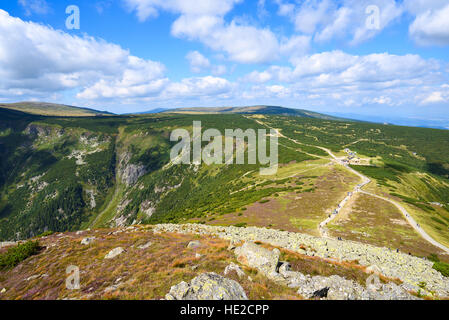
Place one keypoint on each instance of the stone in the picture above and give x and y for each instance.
(194, 244)
(32, 277)
(321, 293)
(145, 246)
(114, 253)
(258, 257)
(3, 291)
(236, 268)
(409, 269)
(87, 241)
(207, 286)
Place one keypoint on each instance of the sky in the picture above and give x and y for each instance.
(386, 58)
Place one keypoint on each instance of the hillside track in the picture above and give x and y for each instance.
(324, 232)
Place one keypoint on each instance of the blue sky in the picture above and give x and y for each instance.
(378, 57)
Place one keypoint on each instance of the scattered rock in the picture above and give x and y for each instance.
(321, 293)
(207, 286)
(194, 244)
(87, 241)
(236, 268)
(3, 291)
(198, 256)
(258, 257)
(411, 270)
(32, 277)
(145, 246)
(114, 253)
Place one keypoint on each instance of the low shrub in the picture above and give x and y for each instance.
(442, 267)
(17, 254)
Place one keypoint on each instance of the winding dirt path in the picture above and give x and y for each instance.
(324, 232)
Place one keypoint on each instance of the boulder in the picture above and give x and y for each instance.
(114, 253)
(236, 268)
(207, 286)
(262, 259)
(87, 241)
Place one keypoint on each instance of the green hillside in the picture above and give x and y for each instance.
(69, 173)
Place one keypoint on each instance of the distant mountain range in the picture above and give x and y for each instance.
(60, 110)
(53, 109)
(268, 110)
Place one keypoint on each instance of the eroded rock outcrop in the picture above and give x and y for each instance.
(129, 173)
(207, 286)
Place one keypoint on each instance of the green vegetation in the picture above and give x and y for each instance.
(15, 255)
(441, 267)
(65, 173)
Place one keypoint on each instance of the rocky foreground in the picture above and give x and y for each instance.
(416, 273)
(196, 262)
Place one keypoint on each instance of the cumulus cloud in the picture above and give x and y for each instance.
(37, 62)
(197, 61)
(198, 87)
(431, 27)
(204, 21)
(340, 79)
(326, 20)
(36, 59)
(339, 68)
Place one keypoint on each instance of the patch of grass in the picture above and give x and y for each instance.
(45, 234)
(241, 225)
(16, 255)
(442, 267)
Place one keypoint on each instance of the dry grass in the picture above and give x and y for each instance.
(380, 223)
(136, 273)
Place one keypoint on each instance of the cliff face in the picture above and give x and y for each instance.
(129, 173)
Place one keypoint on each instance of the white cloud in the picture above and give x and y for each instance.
(36, 59)
(327, 20)
(295, 47)
(197, 61)
(431, 27)
(343, 80)
(35, 6)
(339, 68)
(204, 21)
(140, 78)
(198, 87)
(434, 97)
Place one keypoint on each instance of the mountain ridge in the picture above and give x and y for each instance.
(53, 109)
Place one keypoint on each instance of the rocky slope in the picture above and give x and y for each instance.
(190, 262)
(416, 273)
